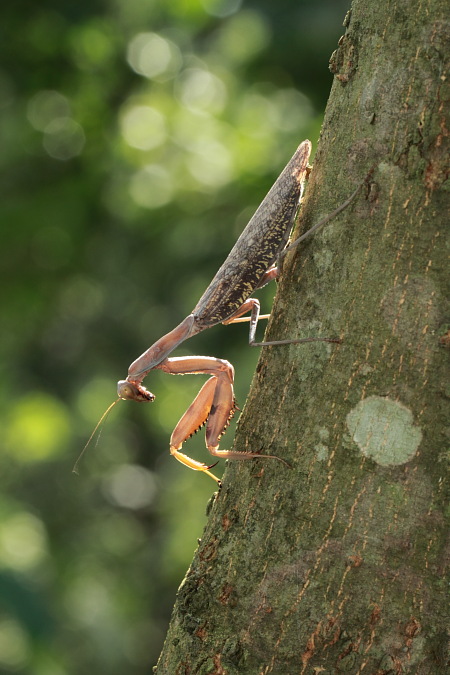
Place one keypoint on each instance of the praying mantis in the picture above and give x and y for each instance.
(251, 264)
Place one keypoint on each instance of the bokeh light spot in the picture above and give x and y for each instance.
(90, 599)
(92, 45)
(46, 106)
(14, 647)
(153, 56)
(257, 115)
(23, 541)
(243, 36)
(211, 164)
(151, 187)
(143, 127)
(221, 8)
(37, 429)
(63, 138)
(131, 486)
(198, 89)
(292, 109)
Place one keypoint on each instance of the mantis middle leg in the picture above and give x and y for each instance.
(252, 305)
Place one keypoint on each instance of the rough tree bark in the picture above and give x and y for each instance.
(338, 565)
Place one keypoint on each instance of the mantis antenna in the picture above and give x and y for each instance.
(102, 418)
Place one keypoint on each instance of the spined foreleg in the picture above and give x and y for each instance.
(213, 405)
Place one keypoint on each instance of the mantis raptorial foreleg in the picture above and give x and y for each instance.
(213, 406)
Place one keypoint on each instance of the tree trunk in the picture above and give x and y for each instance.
(337, 565)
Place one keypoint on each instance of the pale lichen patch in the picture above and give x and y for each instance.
(322, 452)
(384, 430)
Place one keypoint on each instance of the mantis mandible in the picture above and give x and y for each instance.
(251, 264)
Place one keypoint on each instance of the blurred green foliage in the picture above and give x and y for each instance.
(137, 139)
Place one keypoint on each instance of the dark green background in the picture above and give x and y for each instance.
(121, 194)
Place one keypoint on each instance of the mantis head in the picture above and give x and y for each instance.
(133, 392)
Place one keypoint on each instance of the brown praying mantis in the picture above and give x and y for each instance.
(251, 264)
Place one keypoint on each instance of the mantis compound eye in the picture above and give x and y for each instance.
(133, 392)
